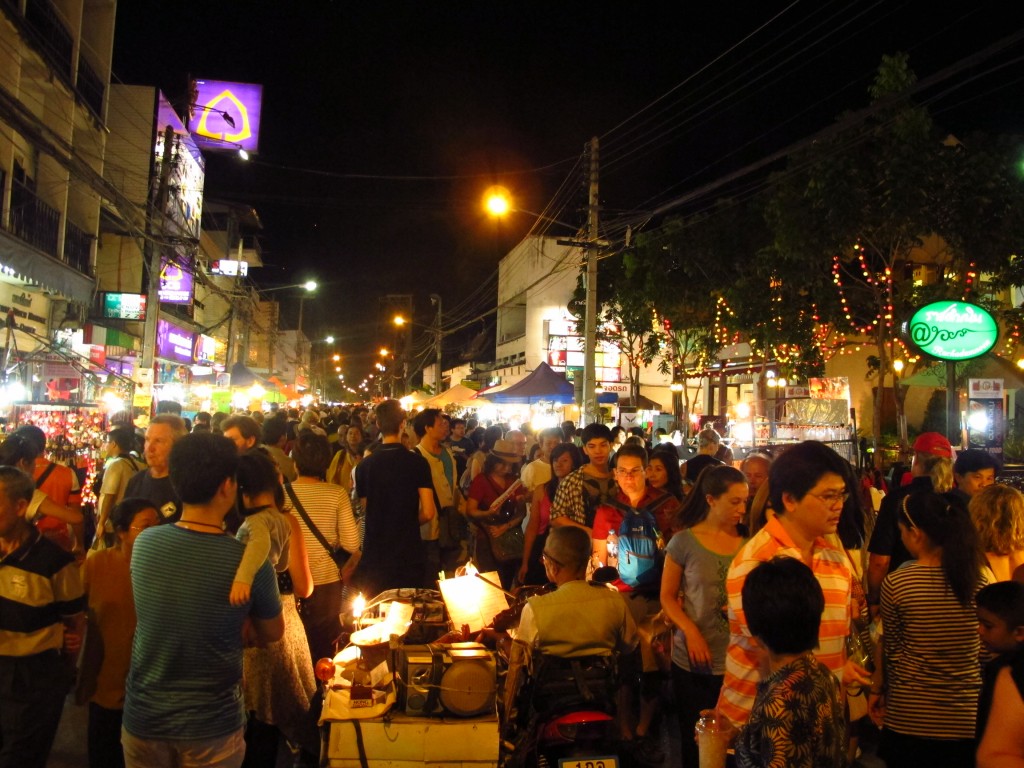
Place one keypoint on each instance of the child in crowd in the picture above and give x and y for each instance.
(797, 718)
(264, 532)
(1000, 609)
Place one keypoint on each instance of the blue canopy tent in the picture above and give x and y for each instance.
(543, 385)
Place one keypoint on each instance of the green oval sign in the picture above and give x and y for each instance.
(953, 330)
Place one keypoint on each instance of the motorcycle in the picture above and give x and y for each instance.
(563, 713)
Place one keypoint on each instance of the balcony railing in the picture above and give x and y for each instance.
(90, 87)
(78, 248)
(32, 220)
(51, 34)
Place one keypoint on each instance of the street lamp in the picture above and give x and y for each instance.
(498, 200)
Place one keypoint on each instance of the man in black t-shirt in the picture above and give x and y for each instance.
(397, 493)
(154, 483)
(886, 551)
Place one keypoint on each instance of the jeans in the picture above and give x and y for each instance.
(221, 752)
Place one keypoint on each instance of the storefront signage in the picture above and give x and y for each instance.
(209, 351)
(175, 283)
(952, 330)
(229, 267)
(187, 174)
(124, 306)
(985, 414)
(226, 115)
(173, 343)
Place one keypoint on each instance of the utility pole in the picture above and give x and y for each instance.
(589, 412)
(158, 210)
(437, 344)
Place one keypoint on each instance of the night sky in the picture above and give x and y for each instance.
(384, 122)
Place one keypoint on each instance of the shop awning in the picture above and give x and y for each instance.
(49, 272)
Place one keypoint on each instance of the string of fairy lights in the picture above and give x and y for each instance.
(832, 341)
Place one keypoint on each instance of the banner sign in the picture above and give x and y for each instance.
(124, 306)
(173, 343)
(175, 283)
(226, 116)
(952, 330)
(209, 351)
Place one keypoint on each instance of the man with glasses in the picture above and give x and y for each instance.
(645, 509)
(807, 494)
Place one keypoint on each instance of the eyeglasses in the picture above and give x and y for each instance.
(832, 498)
(630, 472)
(549, 559)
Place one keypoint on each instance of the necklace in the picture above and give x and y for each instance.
(206, 525)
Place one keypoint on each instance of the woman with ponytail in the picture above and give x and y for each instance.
(693, 594)
(924, 691)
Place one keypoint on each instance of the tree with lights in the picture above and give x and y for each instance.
(900, 216)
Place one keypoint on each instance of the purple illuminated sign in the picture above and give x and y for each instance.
(173, 343)
(175, 283)
(226, 115)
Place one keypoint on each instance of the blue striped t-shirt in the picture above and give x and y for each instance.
(186, 670)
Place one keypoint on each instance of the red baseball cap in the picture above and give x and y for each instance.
(933, 444)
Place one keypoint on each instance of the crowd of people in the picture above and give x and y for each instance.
(803, 600)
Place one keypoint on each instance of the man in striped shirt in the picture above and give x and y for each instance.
(807, 493)
(41, 618)
(183, 703)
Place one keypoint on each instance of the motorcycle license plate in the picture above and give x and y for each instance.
(607, 761)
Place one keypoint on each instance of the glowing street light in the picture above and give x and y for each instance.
(497, 201)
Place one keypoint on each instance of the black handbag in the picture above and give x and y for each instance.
(339, 555)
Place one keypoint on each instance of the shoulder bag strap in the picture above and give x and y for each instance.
(305, 517)
(46, 473)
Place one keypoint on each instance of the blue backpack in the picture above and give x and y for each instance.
(641, 549)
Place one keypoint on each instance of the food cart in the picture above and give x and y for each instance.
(406, 691)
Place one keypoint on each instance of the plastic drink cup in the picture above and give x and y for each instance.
(712, 742)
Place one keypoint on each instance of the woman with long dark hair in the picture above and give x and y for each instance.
(925, 690)
(693, 594)
(564, 458)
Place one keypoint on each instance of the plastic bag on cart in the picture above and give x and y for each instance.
(377, 697)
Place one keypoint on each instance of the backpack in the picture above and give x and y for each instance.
(641, 549)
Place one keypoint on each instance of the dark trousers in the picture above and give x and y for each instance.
(693, 693)
(899, 750)
(104, 737)
(32, 692)
(319, 614)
